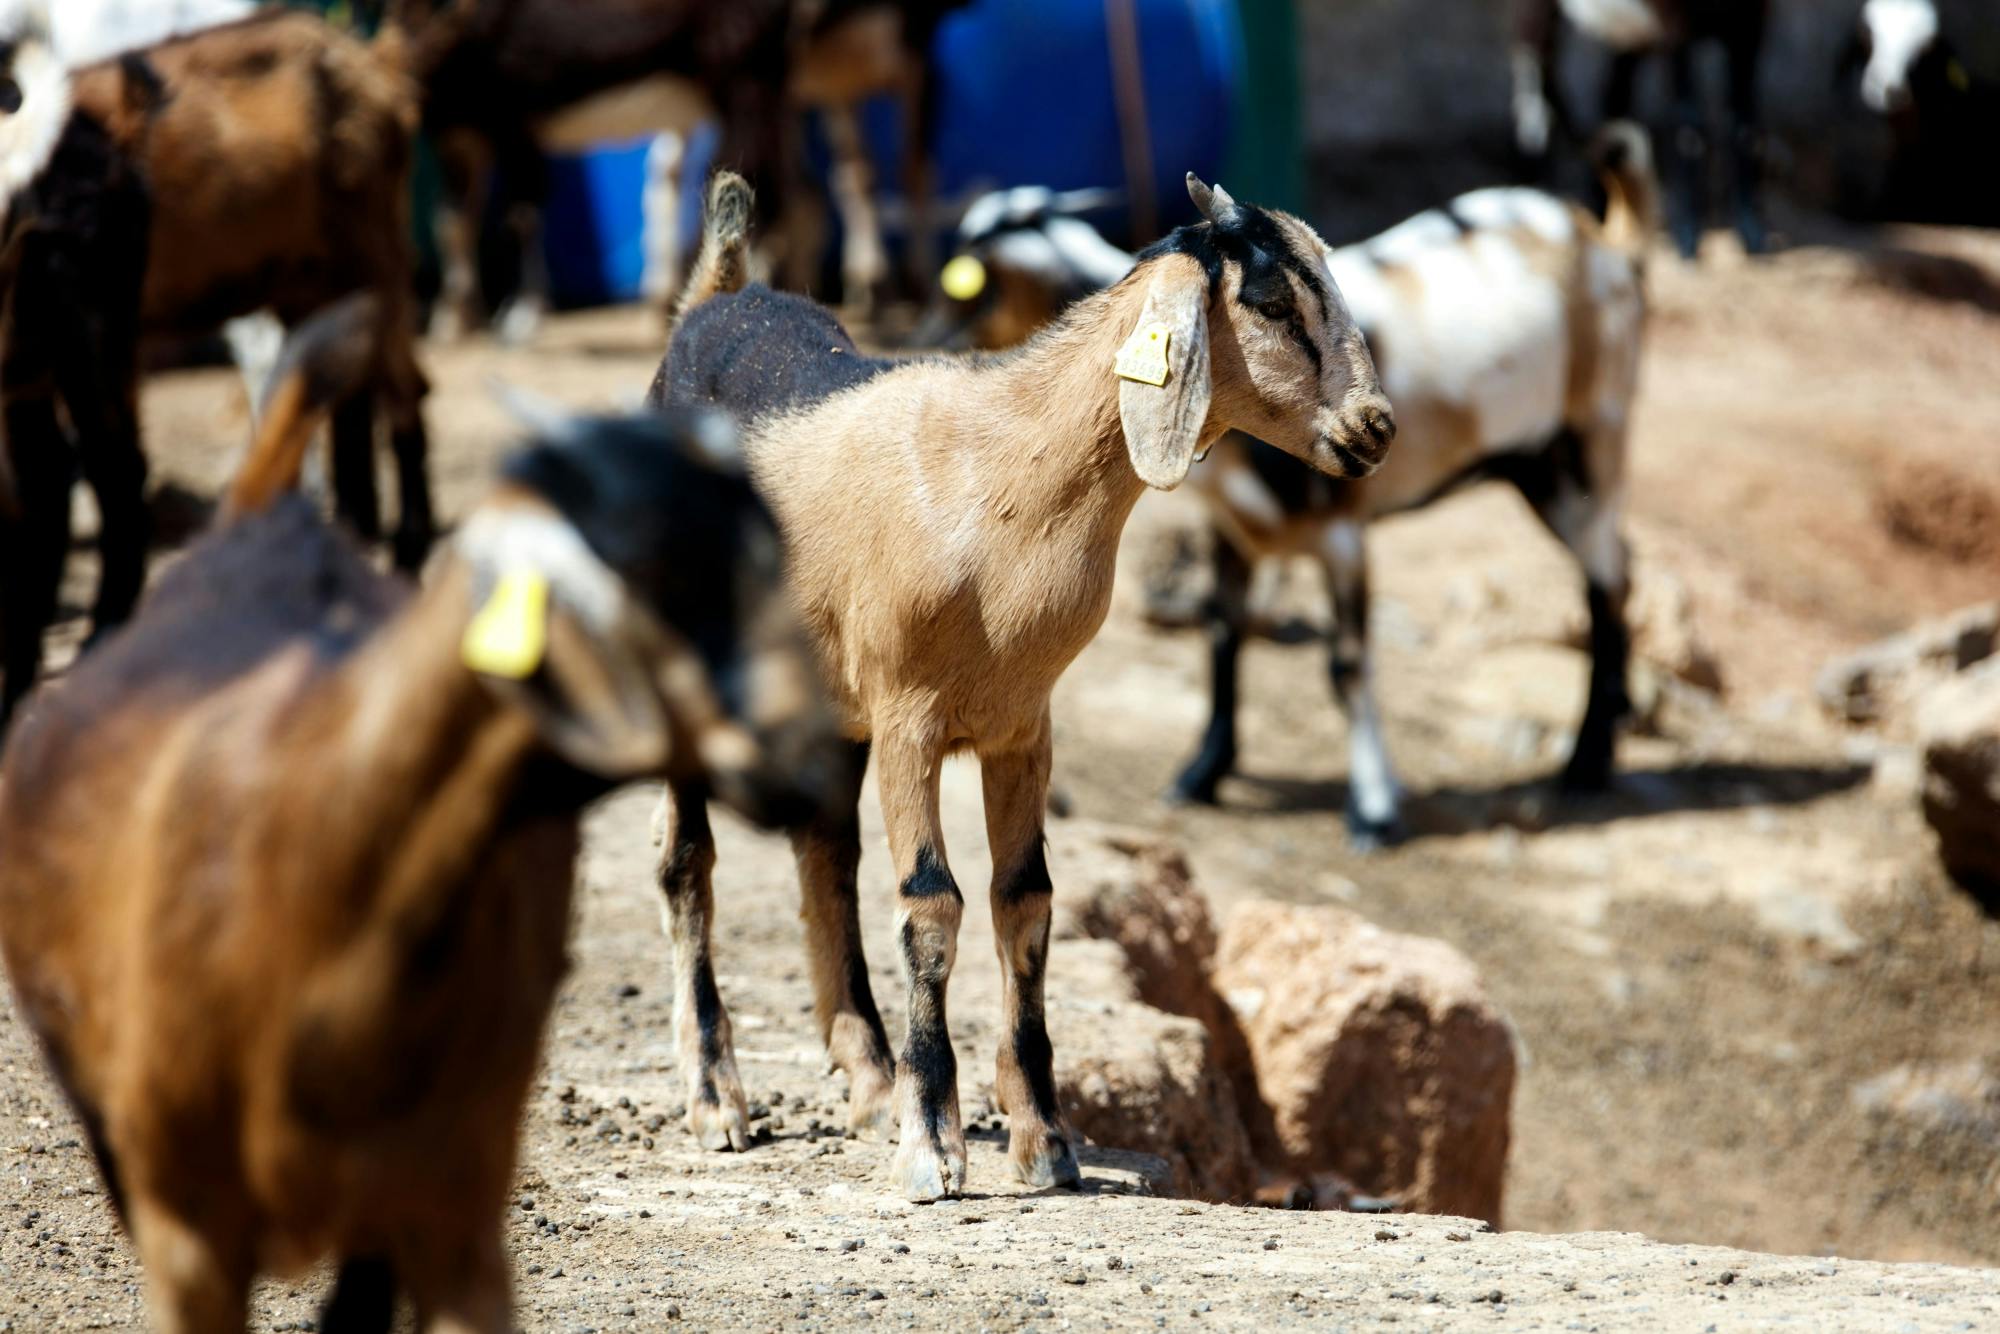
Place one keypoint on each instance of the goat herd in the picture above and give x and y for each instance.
(287, 859)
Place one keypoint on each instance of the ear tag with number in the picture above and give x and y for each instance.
(1144, 356)
(509, 635)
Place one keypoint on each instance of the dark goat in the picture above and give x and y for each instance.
(259, 164)
(289, 859)
(1941, 111)
(1633, 30)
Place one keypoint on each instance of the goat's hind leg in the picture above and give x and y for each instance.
(115, 468)
(718, 1115)
(34, 541)
(1016, 784)
(829, 857)
(1228, 615)
(363, 1300)
(930, 1160)
(1585, 513)
(1374, 797)
(194, 1285)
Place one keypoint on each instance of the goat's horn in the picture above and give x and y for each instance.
(1213, 202)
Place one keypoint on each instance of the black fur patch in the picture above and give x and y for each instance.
(1031, 876)
(758, 352)
(1250, 237)
(929, 878)
(695, 544)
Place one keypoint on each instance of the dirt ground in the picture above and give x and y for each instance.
(1703, 967)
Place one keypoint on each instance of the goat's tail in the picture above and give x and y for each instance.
(1623, 156)
(722, 265)
(331, 357)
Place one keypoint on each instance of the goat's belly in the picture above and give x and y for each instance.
(650, 106)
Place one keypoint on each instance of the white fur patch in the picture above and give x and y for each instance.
(1488, 333)
(509, 537)
(1088, 255)
(1626, 25)
(87, 31)
(1899, 31)
(28, 138)
(1511, 206)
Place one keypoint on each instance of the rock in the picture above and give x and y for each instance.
(1881, 683)
(1379, 1055)
(1958, 731)
(1961, 1100)
(1666, 632)
(1133, 1077)
(1160, 922)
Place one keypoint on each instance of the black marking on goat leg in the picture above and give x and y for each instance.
(1226, 614)
(929, 878)
(927, 1053)
(1033, 1052)
(707, 1012)
(363, 1300)
(1031, 876)
(1590, 765)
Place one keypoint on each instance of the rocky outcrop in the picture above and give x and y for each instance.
(1880, 685)
(1958, 730)
(1135, 1077)
(1379, 1055)
(1309, 1058)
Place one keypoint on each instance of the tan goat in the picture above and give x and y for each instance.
(952, 529)
(289, 859)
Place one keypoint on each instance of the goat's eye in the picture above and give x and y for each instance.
(1277, 308)
(10, 97)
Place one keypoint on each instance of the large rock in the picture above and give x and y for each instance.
(1881, 684)
(1667, 632)
(1134, 1077)
(1379, 1055)
(1958, 730)
(1147, 905)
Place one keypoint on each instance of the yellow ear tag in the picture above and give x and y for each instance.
(1144, 356)
(510, 633)
(963, 278)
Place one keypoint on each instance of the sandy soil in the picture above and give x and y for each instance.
(1703, 967)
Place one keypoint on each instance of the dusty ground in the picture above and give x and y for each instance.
(1702, 967)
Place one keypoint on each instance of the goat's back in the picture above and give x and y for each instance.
(239, 597)
(758, 353)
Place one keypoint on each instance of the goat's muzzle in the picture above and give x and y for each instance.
(1355, 438)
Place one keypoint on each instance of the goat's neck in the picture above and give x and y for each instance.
(1061, 413)
(427, 757)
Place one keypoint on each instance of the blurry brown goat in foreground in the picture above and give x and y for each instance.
(259, 164)
(289, 859)
(953, 529)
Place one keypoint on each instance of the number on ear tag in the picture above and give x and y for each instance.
(1144, 356)
(509, 635)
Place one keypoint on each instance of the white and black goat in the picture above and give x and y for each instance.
(1941, 111)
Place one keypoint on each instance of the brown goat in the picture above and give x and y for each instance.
(278, 151)
(953, 529)
(289, 859)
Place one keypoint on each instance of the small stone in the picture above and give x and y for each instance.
(900, 1249)
(1075, 1277)
(877, 1295)
(1114, 1262)
(1385, 1234)
(673, 1311)
(1493, 1295)
(628, 991)
(851, 1245)
(1271, 1243)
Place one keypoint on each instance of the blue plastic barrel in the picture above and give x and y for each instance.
(1026, 97)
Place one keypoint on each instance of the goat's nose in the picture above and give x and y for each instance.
(1368, 428)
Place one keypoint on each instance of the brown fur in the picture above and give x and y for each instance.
(288, 886)
(953, 529)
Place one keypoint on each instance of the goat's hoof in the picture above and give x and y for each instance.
(1374, 835)
(720, 1127)
(929, 1166)
(1043, 1159)
(871, 1106)
(518, 323)
(1194, 790)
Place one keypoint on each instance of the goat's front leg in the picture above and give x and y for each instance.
(1016, 787)
(460, 1282)
(193, 1285)
(829, 856)
(717, 1113)
(930, 1160)
(1374, 798)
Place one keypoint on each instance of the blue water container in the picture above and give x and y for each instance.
(1026, 96)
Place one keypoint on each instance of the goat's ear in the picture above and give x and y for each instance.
(554, 632)
(1163, 376)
